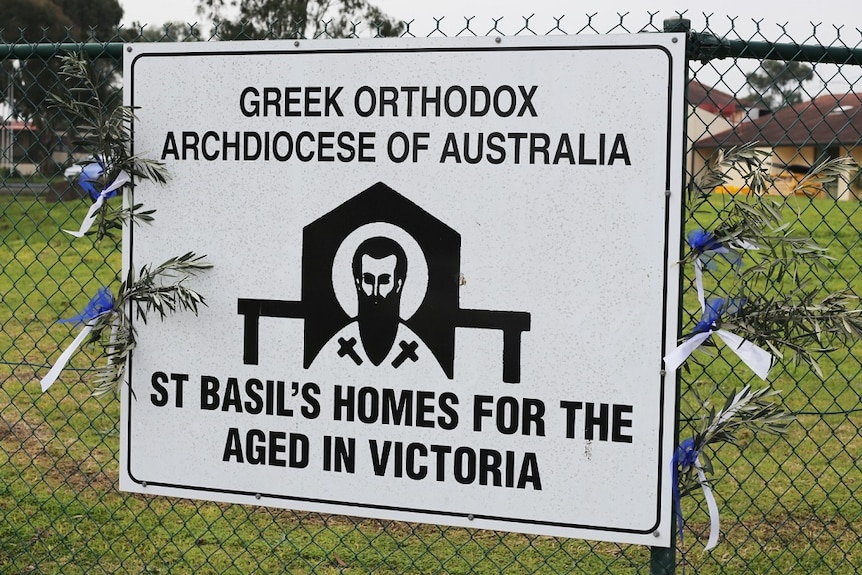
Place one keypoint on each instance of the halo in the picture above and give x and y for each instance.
(415, 284)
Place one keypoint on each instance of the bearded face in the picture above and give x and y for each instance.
(379, 293)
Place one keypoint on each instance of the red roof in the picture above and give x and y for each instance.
(713, 100)
(827, 120)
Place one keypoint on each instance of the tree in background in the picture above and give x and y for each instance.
(59, 20)
(776, 84)
(32, 20)
(259, 19)
(35, 21)
(25, 84)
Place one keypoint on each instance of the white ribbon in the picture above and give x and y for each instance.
(123, 178)
(714, 526)
(698, 266)
(758, 359)
(114, 328)
(698, 283)
(49, 379)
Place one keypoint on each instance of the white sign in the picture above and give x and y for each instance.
(444, 279)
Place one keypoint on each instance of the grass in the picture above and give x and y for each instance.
(788, 505)
(37, 178)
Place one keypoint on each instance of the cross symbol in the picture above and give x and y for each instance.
(408, 350)
(346, 348)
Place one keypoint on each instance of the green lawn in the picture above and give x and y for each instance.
(788, 505)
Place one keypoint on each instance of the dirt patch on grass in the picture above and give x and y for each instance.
(33, 446)
(776, 532)
(30, 437)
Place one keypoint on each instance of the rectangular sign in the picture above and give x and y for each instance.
(444, 279)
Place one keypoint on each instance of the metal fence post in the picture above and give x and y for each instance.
(662, 560)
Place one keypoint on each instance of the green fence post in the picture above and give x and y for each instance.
(46, 51)
(662, 560)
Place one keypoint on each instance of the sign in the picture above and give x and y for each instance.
(444, 279)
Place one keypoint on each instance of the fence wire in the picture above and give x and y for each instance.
(789, 504)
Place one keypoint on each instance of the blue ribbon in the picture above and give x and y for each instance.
(702, 240)
(100, 304)
(684, 456)
(759, 360)
(716, 307)
(705, 245)
(90, 177)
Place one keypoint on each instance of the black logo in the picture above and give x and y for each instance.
(380, 283)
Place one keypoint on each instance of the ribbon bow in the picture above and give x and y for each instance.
(758, 359)
(703, 242)
(87, 180)
(686, 456)
(102, 303)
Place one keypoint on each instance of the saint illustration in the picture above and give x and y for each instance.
(380, 284)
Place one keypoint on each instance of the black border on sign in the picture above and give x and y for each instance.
(346, 505)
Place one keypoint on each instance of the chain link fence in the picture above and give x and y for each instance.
(789, 504)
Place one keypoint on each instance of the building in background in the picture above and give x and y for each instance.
(17, 138)
(798, 138)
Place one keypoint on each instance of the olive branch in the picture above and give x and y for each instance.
(778, 275)
(157, 290)
(746, 410)
(773, 275)
(105, 133)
